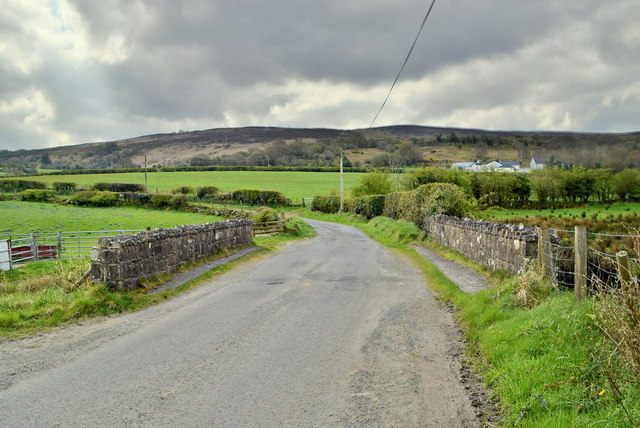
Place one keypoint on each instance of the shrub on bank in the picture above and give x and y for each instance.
(118, 187)
(37, 195)
(20, 185)
(326, 204)
(64, 188)
(93, 198)
(206, 192)
(258, 197)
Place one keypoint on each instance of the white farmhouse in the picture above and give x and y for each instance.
(538, 163)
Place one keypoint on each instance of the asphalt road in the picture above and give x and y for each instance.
(331, 331)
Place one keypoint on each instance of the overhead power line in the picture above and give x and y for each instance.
(424, 21)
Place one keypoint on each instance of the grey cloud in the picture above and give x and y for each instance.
(197, 61)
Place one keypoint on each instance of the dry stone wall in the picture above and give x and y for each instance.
(495, 245)
(122, 261)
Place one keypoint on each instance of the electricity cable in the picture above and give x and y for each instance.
(424, 21)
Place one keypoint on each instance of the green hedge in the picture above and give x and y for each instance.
(206, 192)
(326, 204)
(20, 185)
(183, 190)
(429, 199)
(136, 199)
(413, 206)
(368, 206)
(258, 197)
(166, 201)
(95, 198)
(63, 188)
(37, 195)
(118, 187)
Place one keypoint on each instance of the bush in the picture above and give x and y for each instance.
(136, 199)
(447, 199)
(266, 215)
(326, 204)
(160, 200)
(370, 206)
(37, 195)
(105, 199)
(206, 192)
(119, 187)
(95, 198)
(20, 185)
(428, 199)
(178, 201)
(373, 183)
(183, 190)
(259, 197)
(64, 188)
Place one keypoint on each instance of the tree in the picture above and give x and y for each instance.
(407, 154)
(373, 183)
(627, 183)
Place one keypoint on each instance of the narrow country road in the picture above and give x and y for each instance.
(335, 331)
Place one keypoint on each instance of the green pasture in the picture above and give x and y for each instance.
(602, 210)
(31, 217)
(294, 185)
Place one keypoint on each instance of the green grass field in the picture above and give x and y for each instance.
(294, 185)
(31, 217)
(602, 210)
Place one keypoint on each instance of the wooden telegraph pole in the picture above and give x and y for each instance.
(146, 183)
(341, 180)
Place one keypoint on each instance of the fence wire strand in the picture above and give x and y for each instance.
(602, 267)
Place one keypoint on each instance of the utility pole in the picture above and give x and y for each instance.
(146, 183)
(341, 180)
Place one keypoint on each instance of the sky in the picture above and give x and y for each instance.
(78, 71)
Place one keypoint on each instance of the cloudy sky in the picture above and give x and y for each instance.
(75, 71)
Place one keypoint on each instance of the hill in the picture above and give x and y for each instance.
(269, 146)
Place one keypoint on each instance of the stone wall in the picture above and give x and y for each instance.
(124, 260)
(495, 245)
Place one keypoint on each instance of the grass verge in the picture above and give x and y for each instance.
(549, 365)
(43, 295)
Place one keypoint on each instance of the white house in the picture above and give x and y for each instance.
(503, 166)
(538, 163)
(463, 166)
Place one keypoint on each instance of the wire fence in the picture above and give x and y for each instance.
(18, 249)
(567, 251)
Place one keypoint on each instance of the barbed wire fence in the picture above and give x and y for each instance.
(570, 258)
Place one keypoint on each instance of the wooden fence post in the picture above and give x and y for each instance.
(544, 253)
(580, 270)
(624, 275)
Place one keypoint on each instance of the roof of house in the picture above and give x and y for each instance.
(539, 160)
(463, 164)
(509, 164)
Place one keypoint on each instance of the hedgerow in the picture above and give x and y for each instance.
(20, 185)
(37, 195)
(118, 187)
(258, 197)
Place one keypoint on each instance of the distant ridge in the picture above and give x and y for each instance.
(438, 145)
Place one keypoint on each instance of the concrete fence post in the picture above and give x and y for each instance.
(580, 269)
